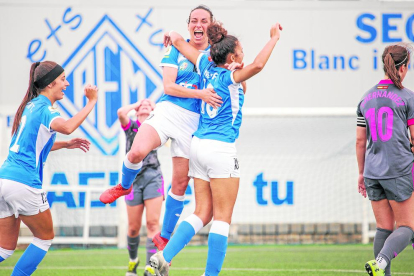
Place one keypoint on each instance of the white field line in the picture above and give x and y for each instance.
(201, 269)
(280, 250)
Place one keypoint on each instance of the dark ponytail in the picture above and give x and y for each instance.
(394, 57)
(221, 43)
(37, 71)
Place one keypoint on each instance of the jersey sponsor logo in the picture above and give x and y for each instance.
(109, 59)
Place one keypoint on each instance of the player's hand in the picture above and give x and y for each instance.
(361, 186)
(210, 97)
(234, 66)
(167, 39)
(91, 92)
(275, 31)
(137, 105)
(78, 143)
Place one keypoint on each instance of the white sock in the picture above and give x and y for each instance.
(381, 262)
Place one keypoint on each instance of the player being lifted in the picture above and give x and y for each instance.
(34, 132)
(213, 156)
(175, 117)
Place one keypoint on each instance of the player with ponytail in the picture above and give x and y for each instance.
(385, 159)
(33, 137)
(213, 157)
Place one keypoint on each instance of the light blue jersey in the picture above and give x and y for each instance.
(220, 124)
(31, 144)
(187, 76)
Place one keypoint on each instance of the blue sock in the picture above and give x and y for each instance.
(185, 232)
(128, 176)
(1, 259)
(28, 262)
(173, 210)
(217, 247)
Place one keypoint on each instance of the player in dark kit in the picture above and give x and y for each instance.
(386, 163)
(147, 191)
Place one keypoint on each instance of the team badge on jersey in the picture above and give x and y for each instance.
(108, 59)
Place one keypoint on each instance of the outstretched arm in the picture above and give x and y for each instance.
(76, 143)
(68, 126)
(260, 61)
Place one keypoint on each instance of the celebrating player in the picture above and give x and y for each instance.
(213, 157)
(175, 117)
(34, 132)
(386, 164)
(147, 191)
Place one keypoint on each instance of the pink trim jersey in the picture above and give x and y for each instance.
(386, 112)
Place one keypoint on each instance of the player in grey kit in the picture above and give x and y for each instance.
(147, 188)
(386, 164)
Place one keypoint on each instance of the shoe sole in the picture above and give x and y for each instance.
(369, 270)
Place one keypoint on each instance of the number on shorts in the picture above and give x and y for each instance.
(379, 125)
(15, 147)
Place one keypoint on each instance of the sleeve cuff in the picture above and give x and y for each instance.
(410, 122)
(127, 126)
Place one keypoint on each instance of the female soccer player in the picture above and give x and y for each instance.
(176, 117)
(34, 131)
(213, 157)
(147, 191)
(386, 164)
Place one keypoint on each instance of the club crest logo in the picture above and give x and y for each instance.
(107, 58)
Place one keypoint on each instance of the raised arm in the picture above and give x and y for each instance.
(76, 143)
(123, 112)
(68, 126)
(260, 61)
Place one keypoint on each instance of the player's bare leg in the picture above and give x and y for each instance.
(146, 140)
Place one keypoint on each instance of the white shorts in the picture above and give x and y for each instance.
(20, 199)
(213, 159)
(176, 123)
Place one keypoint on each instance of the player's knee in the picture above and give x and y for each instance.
(136, 156)
(133, 232)
(5, 253)
(43, 244)
(205, 215)
(152, 226)
(179, 186)
(133, 229)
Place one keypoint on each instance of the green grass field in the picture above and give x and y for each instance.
(240, 260)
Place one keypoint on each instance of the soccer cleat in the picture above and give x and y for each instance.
(373, 270)
(159, 241)
(132, 268)
(158, 263)
(149, 271)
(112, 194)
